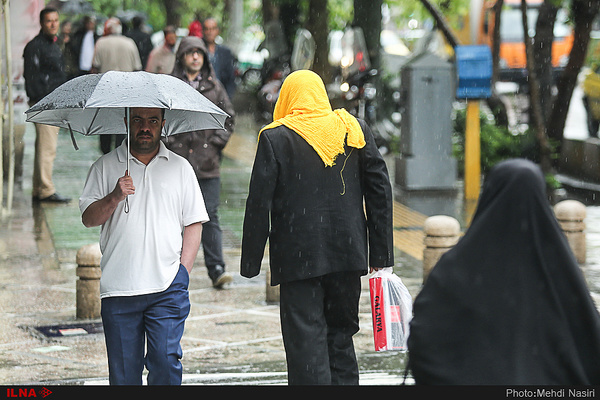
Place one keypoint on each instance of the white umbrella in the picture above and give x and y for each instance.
(96, 104)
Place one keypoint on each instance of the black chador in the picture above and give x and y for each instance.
(509, 303)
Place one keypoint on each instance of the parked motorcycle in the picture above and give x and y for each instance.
(276, 70)
(273, 73)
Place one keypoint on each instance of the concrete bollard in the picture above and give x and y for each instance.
(441, 233)
(272, 291)
(88, 284)
(571, 218)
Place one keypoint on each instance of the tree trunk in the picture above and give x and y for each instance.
(542, 53)
(583, 12)
(367, 16)
(317, 26)
(534, 97)
(496, 39)
(172, 11)
(494, 102)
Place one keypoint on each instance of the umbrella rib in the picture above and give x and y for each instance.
(92, 122)
(33, 115)
(215, 118)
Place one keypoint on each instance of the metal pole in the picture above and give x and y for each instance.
(126, 209)
(2, 211)
(11, 124)
(128, 139)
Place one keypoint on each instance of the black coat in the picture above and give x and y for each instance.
(314, 216)
(143, 43)
(77, 42)
(508, 305)
(44, 68)
(223, 63)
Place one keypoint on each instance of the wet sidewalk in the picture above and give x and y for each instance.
(232, 336)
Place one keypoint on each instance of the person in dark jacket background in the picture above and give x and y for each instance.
(142, 39)
(84, 42)
(203, 149)
(320, 193)
(221, 58)
(44, 71)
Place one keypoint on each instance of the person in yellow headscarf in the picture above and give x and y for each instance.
(303, 106)
(320, 192)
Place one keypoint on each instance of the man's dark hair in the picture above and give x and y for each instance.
(87, 19)
(169, 29)
(45, 11)
(136, 22)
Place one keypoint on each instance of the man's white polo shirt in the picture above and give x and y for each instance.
(141, 249)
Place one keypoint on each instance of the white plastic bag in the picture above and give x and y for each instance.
(391, 306)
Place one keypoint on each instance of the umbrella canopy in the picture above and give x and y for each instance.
(97, 103)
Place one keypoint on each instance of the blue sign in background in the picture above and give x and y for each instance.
(474, 72)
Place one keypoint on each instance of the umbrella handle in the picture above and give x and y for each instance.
(126, 208)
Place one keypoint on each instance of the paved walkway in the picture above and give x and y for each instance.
(232, 336)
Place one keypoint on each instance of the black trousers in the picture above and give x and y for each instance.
(319, 316)
(212, 236)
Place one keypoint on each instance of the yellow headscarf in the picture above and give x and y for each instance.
(304, 107)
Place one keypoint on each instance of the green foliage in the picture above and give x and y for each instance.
(593, 55)
(341, 13)
(552, 183)
(497, 143)
(413, 9)
(155, 10)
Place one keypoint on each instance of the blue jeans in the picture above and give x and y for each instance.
(157, 318)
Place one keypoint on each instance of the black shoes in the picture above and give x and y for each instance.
(54, 198)
(218, 276)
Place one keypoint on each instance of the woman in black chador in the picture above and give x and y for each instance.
(508, 304)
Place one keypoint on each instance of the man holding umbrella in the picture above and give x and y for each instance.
(151, 217)
(149, 204)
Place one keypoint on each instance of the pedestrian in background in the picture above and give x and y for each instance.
(66, 41)
(114, 52)
(142, 39)
(84, 43)
(220, 56)
(203, 149)
(44, 71)
(320, 193)
(508, 305)
(162, 58)
(195, 27)
(147, 253)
